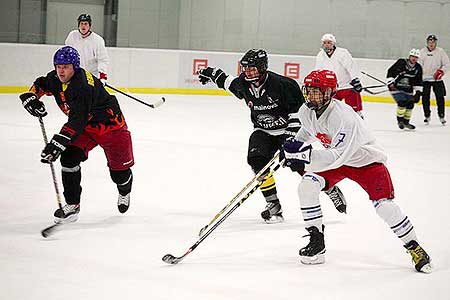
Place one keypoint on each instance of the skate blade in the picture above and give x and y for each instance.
(274, 220)
(427, 269)
(69, 219)
(313, 260)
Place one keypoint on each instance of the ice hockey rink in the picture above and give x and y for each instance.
(190, 161)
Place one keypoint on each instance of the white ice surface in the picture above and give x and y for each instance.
(190, 161)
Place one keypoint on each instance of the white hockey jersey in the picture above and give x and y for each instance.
(431, 61)
(344, 135)
(93, 55)
(341, 62)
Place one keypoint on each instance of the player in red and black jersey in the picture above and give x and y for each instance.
(94, 118)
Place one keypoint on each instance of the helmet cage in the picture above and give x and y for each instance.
(310, 99)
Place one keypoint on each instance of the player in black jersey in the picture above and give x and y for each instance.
(274, 101)
(405, 78)
(94, 118)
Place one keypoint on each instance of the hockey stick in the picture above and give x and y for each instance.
(374, 78)
(170, 259)
(153, 105)
(47, 231)
(376, 93)
(257, 176)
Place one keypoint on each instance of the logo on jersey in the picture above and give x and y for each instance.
(269, 122)
(324, 139)
(265, 107)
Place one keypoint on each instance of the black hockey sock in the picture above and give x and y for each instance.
(123, 179)
(71, 178)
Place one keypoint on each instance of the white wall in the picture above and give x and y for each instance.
(149, 68)
(369, 28)
(62, 19)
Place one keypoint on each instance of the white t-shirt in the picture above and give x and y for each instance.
(93, 55)
(431, 61)
(341, 62)
(344, 135)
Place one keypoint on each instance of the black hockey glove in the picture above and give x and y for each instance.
(33, 105)
(417, 96)
(356, 84)
(54, 148)
(295, 155)
(215, 75)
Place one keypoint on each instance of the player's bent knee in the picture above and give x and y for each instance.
(120, 177)
(257, 162)
(311, 184)
(72, 157)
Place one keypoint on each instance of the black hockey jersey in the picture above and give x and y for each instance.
(406, 76)
(272, 103)
(84, 100)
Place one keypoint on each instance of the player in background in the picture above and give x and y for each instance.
(91, 46)
(94, 118)
(404, 78)
(435, 63)
(352, 152)
(340, 61)
(273, 101)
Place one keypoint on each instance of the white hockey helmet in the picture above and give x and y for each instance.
(414, 52)
(328, 37)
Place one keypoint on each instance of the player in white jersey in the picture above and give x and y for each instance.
(352, 152)
(435, 64)
(340, 61)
(91, 47)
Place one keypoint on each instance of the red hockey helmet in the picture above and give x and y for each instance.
(324, 81)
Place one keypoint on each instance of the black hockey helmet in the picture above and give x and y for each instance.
(84, 18)
(255, 58)
(432, 37)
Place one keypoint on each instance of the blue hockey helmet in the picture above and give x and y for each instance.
(67, 55)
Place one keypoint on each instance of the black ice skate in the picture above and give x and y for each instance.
(273, 213)
(338, 199)
(443, 121)
(409, 126)
(69, 213)
(419, 257)
(123, 202)
(427, 120)
(314, 252)
(401, 122)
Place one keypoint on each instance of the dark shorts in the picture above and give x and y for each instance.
(373, 178)
(261, 148)
(116, 144)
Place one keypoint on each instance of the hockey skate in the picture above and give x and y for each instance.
(314, 252)
(338, 199)
(68, 214)
(408, 126)
(443, 121)
(419, 257)
(123, 202)
(427, 120)
(273, 213)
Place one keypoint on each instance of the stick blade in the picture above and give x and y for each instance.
(170, 259)
(159, 103)
(200, 233)
(49, 230)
